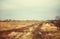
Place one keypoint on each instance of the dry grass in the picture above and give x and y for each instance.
(29, 30)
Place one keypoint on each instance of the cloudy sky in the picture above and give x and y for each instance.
(29, 9)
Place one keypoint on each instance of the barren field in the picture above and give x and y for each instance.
(30, 29)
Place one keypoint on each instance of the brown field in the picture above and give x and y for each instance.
(30, 29)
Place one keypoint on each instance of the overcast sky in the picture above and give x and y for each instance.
(29, 9)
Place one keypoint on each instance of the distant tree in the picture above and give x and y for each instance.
(57, 18)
